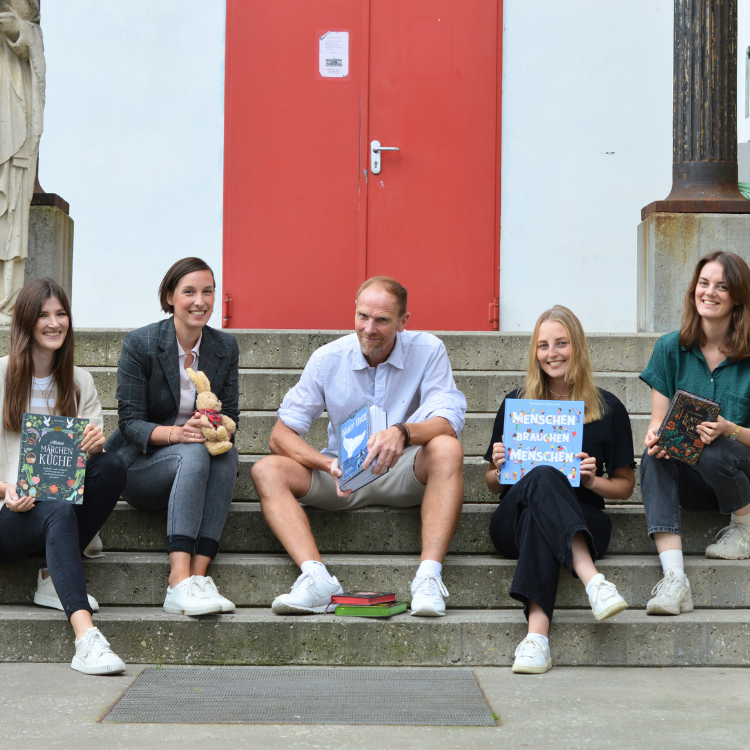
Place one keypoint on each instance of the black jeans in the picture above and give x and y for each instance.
(62, 530)
(535, 524)
(719, 481)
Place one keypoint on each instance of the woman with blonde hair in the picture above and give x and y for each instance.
(544, 522)
(710, 357)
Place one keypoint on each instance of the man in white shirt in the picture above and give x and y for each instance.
(409, 377)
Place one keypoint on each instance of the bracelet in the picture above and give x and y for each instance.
(405, 432)
(169, 437)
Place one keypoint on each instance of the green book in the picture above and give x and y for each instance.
(51, 465)
(387, 609)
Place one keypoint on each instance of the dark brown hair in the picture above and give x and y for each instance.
(174, 274)
(736, 344)
(391, 286)
(21, 364)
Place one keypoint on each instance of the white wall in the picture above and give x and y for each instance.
(581, 79)
(133, 140)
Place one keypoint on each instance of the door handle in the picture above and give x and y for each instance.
(375, 158)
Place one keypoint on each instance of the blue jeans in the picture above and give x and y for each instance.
(196, 487)
(720, 480)
(62, 530)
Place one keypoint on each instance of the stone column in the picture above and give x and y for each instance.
(696, 217)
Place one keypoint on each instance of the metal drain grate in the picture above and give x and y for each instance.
(280, 695)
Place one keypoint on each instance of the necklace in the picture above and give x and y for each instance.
(559, 395)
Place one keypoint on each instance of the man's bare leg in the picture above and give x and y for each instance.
(439, 465)
(280, 481)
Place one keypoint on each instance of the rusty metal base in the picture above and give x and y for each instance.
(714, 206)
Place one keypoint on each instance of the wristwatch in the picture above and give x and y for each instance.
(736, 433)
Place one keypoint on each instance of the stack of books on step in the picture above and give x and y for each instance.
(367, 604)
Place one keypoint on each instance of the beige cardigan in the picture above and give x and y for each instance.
(10, 442)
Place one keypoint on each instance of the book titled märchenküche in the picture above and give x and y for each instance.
(51, 465)
(542, 433)
(677, 434)
(354, 432)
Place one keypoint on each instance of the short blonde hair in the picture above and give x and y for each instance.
(391, 286)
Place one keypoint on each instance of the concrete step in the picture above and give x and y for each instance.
(472, 350)
(462, 638)
(475, 488)
(255, 429)
(474, 581)
(379, 530)
(264, 389)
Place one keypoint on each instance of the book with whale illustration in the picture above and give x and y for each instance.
(354, 432)
(51, 465)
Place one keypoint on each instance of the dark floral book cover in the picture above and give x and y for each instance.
(51, 465)
(677, 434)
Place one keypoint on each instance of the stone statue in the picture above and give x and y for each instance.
(22, 73)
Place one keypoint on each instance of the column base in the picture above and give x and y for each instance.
(669, 246)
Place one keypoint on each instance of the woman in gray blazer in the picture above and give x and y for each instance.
(159, 433)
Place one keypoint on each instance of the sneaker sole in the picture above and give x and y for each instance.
(79, 666)
(426, 613)
(295, 609)
(42, 600)
(520, 669)
(716, 556)
(660, 609)
(207, 609)
(611, 611)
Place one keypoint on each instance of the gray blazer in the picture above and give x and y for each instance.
(148, 383)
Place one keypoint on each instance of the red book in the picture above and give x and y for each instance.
(362, 597)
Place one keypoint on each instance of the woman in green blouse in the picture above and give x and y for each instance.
(710, 357)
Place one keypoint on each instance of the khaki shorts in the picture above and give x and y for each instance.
(398, 488)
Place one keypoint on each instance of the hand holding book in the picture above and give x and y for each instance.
(93, 439)
(384, 449)
(588, 469)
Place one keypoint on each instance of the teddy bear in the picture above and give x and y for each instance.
(222, 427)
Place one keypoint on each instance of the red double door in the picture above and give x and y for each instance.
(310, 86)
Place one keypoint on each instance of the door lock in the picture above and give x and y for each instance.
(375, 158)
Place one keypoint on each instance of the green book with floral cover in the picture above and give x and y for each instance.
(677, 434)
(51, 465)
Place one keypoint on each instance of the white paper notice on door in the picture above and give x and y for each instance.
(333, 54)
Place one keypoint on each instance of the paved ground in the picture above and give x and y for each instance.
(50, 706)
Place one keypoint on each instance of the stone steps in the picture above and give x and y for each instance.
(379, 530)
(461, 638)
(474, 581)
(255, 428)
(264, 389)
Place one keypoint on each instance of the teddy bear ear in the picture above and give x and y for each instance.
(194, 379)
(205, 382)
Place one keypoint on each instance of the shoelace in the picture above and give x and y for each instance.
(606, 590)
(667, 586)
(196, 588)
(207, 585)
(304, 581)
(528, 648)
(97, 645)
(728, 534)
(429, 583)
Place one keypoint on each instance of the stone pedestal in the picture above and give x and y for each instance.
(50, 246)
(669, 246)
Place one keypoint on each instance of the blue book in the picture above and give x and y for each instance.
(354, 432)
(542, 433)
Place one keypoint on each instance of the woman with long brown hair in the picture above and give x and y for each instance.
(38, 376)
(709, 357)
(542, 521)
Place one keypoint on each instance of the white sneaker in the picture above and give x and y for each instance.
(94, 656)
(46, 596)
(209, 587)
(672, 596)
(189, 598)
(604, 599)
(427, 594)
(733, 543)
(309, 594)
(532, 656)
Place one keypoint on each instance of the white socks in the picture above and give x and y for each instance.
(672, 562)
(741, 519)
(429, 568)
(543, 639)
(317, 569)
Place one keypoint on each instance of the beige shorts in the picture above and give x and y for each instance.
(398, 488)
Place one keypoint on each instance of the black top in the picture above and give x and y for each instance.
(609, 440)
